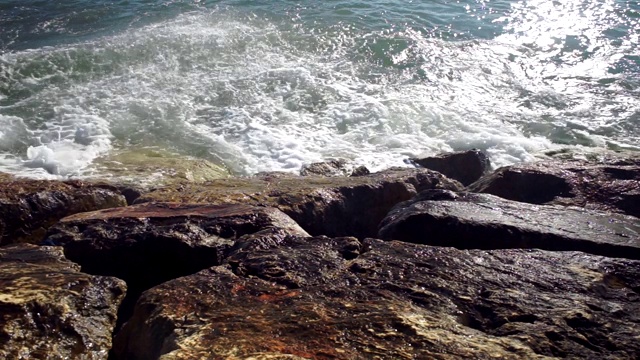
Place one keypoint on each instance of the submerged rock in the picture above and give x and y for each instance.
(611, 184)
(149, 167)
(391, 300)
(150, 243)
(464, 166)
(334, 206)
(50, 310)
(28, 207)
(483, 221)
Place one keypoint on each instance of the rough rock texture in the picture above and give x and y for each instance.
(50, 310)
(338, 167)
(611, 184)
(333, 206)
(464, 166)
(483, 221)
(28, 207)
(342, 299)
(150, 243)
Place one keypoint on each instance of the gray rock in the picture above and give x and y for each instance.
(50, 310)
(483, 221)
(339, 298)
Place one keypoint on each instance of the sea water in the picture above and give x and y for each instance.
(271, 85)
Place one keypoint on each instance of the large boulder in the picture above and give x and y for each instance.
(611, 184)
(340, 298)
(150, 243)
(464, 166)
(29, 207)
(483, 221)
(333, 206)
(50, 310)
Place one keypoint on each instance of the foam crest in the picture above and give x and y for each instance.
(256, 95)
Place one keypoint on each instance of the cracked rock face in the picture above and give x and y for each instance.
(150, 243)
(482, 221)
(29, 207)
(324, 298)
(332, 206)
(610, 184)
(50, 310)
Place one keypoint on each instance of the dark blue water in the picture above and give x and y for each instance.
(270, 85)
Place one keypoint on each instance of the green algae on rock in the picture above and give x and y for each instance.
(50, 310)
(153, 167)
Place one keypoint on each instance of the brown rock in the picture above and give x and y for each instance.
(393, 300)
(150, 243)
(334, 206)
(607, 184)
(464, 166)
(28, 207)
(50, 310)
(483, 221)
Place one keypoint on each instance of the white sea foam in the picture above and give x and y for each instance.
(249, 95)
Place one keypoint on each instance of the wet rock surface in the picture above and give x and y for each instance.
(333, 206)
(327, 298)
(150, 243)
(483, 221)
(28, 207)
(464, 166)
(610, 184)
(50, 310)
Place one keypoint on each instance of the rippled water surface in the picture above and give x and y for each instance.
(270, 85)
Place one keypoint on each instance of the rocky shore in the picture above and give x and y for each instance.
(447, 260)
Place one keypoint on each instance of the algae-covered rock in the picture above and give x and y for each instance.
(50, 310)
(28, 207)
(333, 206)
(154, 166)
(390, 300)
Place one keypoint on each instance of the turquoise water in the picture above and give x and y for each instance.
(271, 85)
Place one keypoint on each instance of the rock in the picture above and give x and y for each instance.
(360, 171)
(326, 168)
(150, 243)
(28, 207)
(610, 184)
(483, 221)
(390, 300)
(50, 310)
(149, 167)
(334, 206)
(464, 166)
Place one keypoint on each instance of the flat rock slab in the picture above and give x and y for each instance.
(339, 298)
(28, 207)
(610, 184)
(50, 310)
(483, 221)
(333, 206)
